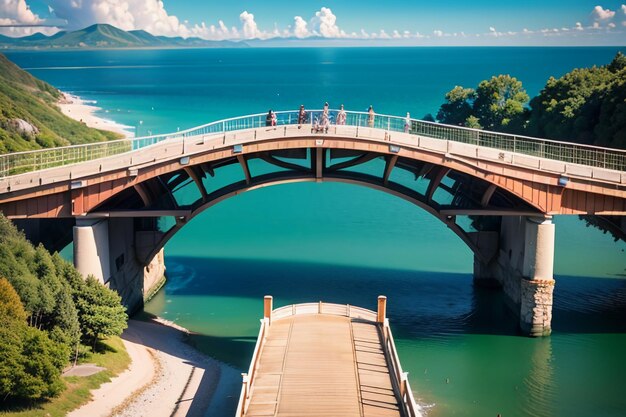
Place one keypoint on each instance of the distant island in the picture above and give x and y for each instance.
(104, 36)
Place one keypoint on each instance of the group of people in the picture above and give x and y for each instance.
(322, 123)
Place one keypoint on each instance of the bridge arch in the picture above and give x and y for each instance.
(441, 191)
(508, 186)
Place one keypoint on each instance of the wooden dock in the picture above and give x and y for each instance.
(322, 359)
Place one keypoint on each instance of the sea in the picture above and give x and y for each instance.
(345, 244)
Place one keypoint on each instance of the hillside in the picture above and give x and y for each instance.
(107, 36)
(29, 117)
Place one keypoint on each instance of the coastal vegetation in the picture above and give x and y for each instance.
(49, 317)
(586, 105)
(29, 117)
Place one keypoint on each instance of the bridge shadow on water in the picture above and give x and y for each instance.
(422, 304)
(222, 300)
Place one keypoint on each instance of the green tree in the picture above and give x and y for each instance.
(611, 127)
(458, 106)
(10, 303)
(30, 363)
(101, 312)
(473, 122)
(585, 105)
(500, 102)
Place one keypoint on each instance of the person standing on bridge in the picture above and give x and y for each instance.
(407, 123)
(274, 118)
(325, 122)
(341, 116)
(268, 118)
(301, 116)
(370, 116)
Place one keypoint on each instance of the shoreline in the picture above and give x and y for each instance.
(84, 111)
(167, 377)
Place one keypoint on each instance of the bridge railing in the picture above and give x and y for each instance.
(615, 159)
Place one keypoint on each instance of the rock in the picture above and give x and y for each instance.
(23, 127)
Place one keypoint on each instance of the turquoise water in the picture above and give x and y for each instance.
(342, 243)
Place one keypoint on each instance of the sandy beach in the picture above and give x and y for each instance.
(82, 111)
(167, 377)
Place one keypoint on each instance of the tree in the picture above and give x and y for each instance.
(585, 105)
(499, 103)
(458, 106)
(101, 312)
(30, 363)
(10, 303)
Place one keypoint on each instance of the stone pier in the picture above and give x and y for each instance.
(523, 267)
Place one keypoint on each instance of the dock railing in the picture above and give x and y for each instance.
(607, 158)
(399, 378)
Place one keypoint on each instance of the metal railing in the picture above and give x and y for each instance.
(614, 159)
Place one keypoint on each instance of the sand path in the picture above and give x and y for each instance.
(166, 378)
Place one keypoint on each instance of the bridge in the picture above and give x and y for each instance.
(321, 359)
(121, 201)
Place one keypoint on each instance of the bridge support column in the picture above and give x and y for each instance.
(523, 268)
(537, 282)
(91, 248)
(115, 253)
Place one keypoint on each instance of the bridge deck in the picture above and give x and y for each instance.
(323, 365)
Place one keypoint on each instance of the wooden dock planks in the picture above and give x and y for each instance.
(322, 365)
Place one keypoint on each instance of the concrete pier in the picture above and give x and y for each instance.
(523, 268)
(113, 252)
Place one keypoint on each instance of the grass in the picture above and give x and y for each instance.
(113, 357)
(23, 96)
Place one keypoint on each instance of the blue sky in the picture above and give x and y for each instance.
(403, 22)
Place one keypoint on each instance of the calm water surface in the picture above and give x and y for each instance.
(345, 244)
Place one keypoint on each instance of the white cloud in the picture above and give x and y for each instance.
(600, 13)
(325, 24)
(249, 26)
(579, 26)
(396, 35)
(611, 25)
(438, 33)
(300, 29)
(17, 12)
(149, 15)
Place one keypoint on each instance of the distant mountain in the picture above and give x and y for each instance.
(107, 36)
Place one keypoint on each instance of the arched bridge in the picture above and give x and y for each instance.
(495, 191)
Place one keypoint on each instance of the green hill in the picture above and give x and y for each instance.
(98, 35)
(29, 117)
(107, 36)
